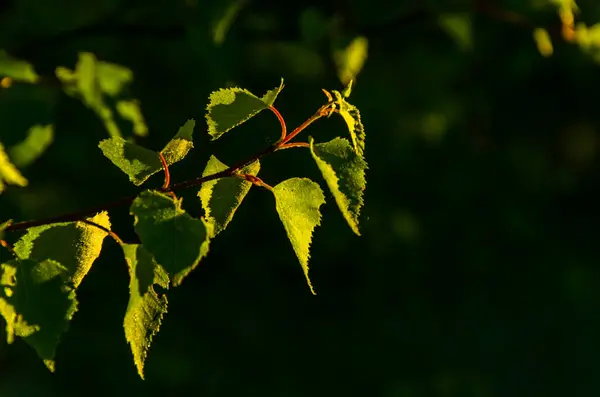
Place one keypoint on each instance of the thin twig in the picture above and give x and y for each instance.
(294, 144)
(105, 229)
(79, 215)
(6, 245)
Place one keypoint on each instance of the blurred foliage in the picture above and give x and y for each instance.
(477, 268)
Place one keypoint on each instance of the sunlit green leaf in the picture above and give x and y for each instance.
(543, 41)
(297, 201)
(39, 137)
(221, 197)
(146, 308)
(36, 304)
(130, 110)
(16, 69)
(351, 116)
(350, 59)
(344, 172)
(134, 160)
(112, 78)
(177, 241)
(9, 174)
(181, 143)
(230, 107)
(75, 245)
(91, 80)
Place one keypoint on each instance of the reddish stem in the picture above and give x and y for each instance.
(107, 230)
(281, 121)
(6, 245)
(323, 111)
(294, 144)
(166, 170)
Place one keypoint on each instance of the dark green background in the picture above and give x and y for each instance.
(478, 270)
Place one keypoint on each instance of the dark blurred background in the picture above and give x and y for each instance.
(477, 272)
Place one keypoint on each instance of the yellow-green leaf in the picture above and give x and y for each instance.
(130, 110)
(36, 304)
(134, 160)
(351, 116)
(221, 197)
(16, 69)
(351, 59)
(543, 41)
(39, 137)
(146, 308)
(297, 201)
(344, 172)
(230, 107)
(177, 241)
(181, 144)
(75, 245)
(8, 172)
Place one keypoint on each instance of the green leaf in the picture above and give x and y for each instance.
(297, 201)
(351, 116)
(130, 110)
(36, 304)
(86, 82)
(459, 27)
(39, 137)
(177, 241)
(543, 41)
(140, 163)
(16, 69)
(134, 160)
(221, 197)
(181, 143)
(112, 78)
(75, 245)
(146, 309)
(223, 24)
(230, 107)
(350, 59)
(344, 172)
(91, 80)
(8, 172)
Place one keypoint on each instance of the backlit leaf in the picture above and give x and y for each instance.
(230, 107)
(16, 69)
(351, 116)
(130, 110)
(344, 172)
(146, 308)
(36, 304)
(112, 78)
(181, 143)
(75, 245)
(221, 197)
(39, 137)
(177, 241)
(297, 201)
(134, 160)
(543, 41)
(140, 163)
(9, 174)
(350, 59)
(459, 27)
